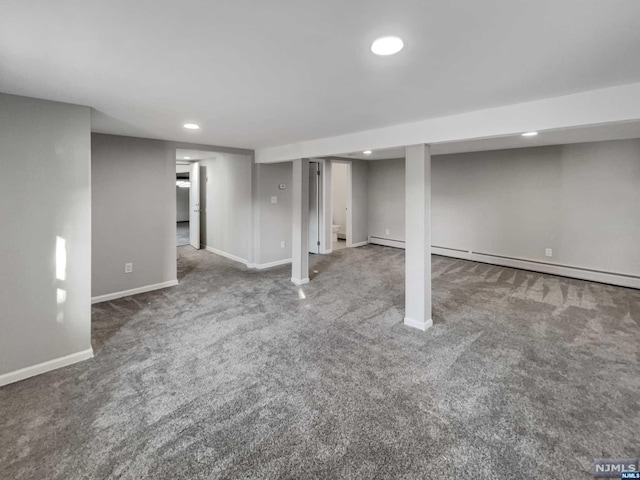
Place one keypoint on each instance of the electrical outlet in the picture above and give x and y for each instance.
(274, 199)
(386, 231)
(128, 267)
(548, 252)
(282, 244)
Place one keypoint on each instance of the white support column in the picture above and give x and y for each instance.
(300, 207)
(418, 237)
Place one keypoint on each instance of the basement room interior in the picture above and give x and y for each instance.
(403, 247)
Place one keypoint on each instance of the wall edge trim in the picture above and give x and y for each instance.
(542, 267)
(133, 291)
(49, 365)
(228, 255)
(262, 266)
(360, 244)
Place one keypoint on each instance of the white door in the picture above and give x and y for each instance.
(314, 208)
(194, 205)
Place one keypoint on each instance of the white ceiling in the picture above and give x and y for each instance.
(258, 74)
(596, 133)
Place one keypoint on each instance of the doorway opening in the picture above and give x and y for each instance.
(183, 189)
(191, 196)
(341, 215)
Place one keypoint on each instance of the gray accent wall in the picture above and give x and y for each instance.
(134, 213)
(387, 199)
(275, 222)
(228, 220)
(580, 200)
(359, 200)
(45, 195)
(134, 209)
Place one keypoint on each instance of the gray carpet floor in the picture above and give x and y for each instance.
(182, 233)
(236, 373)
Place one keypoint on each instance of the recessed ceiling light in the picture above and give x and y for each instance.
(387, 45)
(367, 152)
(530, 134)
(187, 158)
(192, 126)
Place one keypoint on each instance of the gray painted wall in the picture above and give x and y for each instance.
(274, 219)
(182, 204)
(45, 193)
(360, 200)
(134, 209)
(581, 200)
(134, 212)
(228, 225)
(387, 199)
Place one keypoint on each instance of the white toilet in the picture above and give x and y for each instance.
(335, 229)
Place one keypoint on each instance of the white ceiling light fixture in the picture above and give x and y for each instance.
(191, 126)
(187, 158)
(530, 134)
(387, 45)
(367, 152)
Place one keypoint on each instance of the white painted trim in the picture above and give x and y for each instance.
(360, 244)
(227, 255)
(262, 266)
(326, 252)
(133, 291)
(300, 282)
(420, 325)
(606, 105)
(387, 242)
(542, 267)
(44, 367)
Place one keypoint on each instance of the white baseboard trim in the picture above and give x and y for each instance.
(133, 291)
(326, 252)
(43, 367)
(228, 255)
(258, 266)
(543, 267)
(419, 324)
(300, 282)
(387, 242)
(360, 244)
(262, 266)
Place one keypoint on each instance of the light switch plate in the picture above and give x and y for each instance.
(128, 267)
(274, 199)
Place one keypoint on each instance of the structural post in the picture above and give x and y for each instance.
(300, 238)
(418, 237)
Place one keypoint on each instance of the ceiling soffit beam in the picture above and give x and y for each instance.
(594, 107)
